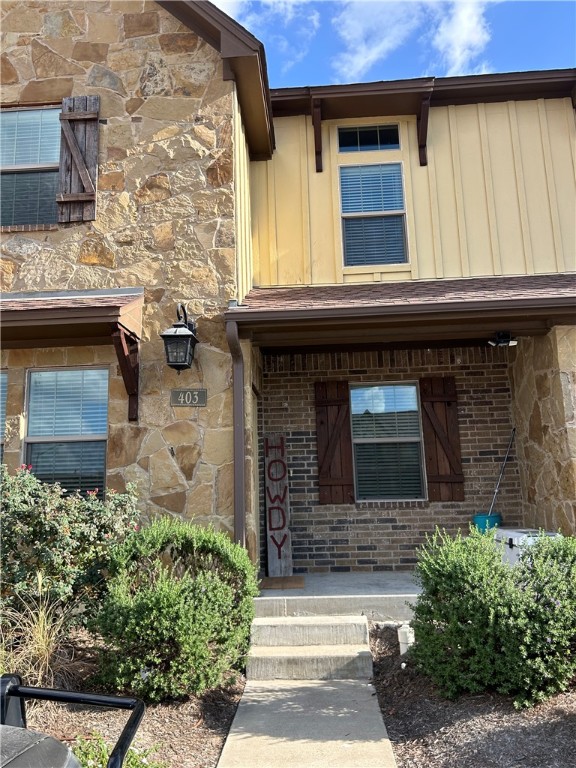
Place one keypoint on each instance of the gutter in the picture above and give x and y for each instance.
(238, 431)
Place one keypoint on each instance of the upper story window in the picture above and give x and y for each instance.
(49, 163)
(368, 138)
(29, 161)
(373, 214)
(3, 393)
(387, 442)
(67, 427)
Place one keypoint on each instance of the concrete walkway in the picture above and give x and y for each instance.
(308, 724)
(330, 723)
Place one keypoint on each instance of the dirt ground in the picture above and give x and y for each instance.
(480, 731)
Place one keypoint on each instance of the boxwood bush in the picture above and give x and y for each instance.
(480, 624)
(178, 612)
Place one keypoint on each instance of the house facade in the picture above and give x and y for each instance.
(138, 203)
(358, 260)
(414, 303)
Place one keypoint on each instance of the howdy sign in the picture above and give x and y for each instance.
(279, 540)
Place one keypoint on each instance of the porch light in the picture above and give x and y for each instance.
(503, 339)
(179, 341)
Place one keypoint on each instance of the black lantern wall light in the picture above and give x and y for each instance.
(179, 341)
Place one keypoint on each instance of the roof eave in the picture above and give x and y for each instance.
(398, 324)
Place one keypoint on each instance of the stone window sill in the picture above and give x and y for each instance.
(29, 228)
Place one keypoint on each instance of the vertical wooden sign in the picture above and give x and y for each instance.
(278, 537)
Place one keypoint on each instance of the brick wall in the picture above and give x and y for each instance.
(377, 536)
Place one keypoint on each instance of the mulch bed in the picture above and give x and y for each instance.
(475, 731)
(480, 731)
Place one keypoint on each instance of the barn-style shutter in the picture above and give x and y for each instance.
(78, 159)
(441, 439)
(334, 441)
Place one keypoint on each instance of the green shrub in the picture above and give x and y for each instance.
(94, 753)
(178, 612)
(539, 645)
(480, 624)
(67, 539)
(455, 618)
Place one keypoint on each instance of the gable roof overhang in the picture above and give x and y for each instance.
(418, 96)
(79, 318)
(425, 313)
(244, 62)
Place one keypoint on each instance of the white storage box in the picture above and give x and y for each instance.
(515, 539)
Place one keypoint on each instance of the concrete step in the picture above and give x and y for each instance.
(310, 630)
(309, 662)
(376, 607)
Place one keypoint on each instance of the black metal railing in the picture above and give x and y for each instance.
(13, 709)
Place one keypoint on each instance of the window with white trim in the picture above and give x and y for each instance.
(387, 442)
(373, 214)
(29, 163)
(68, 427)
(3, 393)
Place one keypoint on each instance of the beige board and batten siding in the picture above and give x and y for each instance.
(242, 213)
(497, 196)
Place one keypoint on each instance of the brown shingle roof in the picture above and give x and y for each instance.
(417, 311)
(414, 293)
(43, 317)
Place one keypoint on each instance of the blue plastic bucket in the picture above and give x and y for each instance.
(483, 522)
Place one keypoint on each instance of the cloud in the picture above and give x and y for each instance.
(461, 36)
(451, 36)
(233, 8)
(372, 30)
(287, 26)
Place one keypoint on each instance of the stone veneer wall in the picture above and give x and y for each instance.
(377, 536)
(165, 221)
(543, 377)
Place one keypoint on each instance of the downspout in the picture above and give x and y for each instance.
(238, 431)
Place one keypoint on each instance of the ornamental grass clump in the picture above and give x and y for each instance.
(482, 625)
(178, 612)
(34, 641)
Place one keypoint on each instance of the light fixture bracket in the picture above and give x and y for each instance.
(503, 339)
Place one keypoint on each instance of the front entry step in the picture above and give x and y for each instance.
(310, 630)
(309, 662)
(310, 648)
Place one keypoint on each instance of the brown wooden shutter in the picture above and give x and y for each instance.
(441, 439)
(78, 159)
(334, 442)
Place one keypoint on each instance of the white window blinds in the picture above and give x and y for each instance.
(29, 158)
(68, 403)
(386, 437)
(3, 393)
(373, 214)
(67, 427)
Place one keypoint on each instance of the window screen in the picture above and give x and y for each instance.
(373, 214)
(67, 427)
(386, 436)
(29, 157)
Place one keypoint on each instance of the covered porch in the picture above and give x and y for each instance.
(448, 340)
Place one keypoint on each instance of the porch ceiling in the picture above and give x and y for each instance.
(416, 313)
